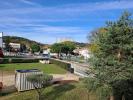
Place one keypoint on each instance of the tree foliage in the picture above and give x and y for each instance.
(68, 47)
(23, 48)
(113, 55)
(64, 47)
(35, 48)
(7, 44)
(56, 48)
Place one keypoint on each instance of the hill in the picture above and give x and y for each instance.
(21, 40)
(28, 42)
(78, 44)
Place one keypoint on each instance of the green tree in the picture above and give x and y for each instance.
(35, 48)
(7, 43)
(64, 47)
(23, 48)
(68, 47)
(44, 80)
(112, 61)
(56, 48)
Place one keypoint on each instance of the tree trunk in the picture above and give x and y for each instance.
(123, 97)
(88, 96)
(40, 96)
(111, 97)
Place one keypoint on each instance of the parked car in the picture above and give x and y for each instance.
(1, 53)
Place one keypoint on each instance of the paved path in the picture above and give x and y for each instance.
(8, 80)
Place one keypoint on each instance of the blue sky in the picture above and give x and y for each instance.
(48, 20)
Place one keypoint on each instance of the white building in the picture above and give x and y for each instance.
(15, 46)
(83, 52)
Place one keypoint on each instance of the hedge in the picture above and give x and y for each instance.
(64, 65)
(19, 60)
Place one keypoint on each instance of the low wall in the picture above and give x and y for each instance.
(79, 70)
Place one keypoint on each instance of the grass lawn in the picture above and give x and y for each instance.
(47, 68)
(73, 91)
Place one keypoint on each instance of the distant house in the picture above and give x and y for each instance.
(83, 52)
(15, 46)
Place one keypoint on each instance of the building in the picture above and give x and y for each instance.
(83, 52)
(15, 46)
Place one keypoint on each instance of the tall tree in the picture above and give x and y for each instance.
(56, 48)
(112, 61)
(63, 47)
(23, 48)
(7, 43)
(35, 48)
(68, 47)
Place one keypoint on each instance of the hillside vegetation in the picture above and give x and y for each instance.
(21, 40)
(28, 42)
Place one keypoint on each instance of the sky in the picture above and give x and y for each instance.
(47, 21)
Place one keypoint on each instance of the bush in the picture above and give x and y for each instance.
(19, 60)
(64, 65)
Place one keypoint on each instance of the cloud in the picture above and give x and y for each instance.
(66, 12)
(61, 29)
(72, 8)
(29, 2)
(49, 34)
(44, 24)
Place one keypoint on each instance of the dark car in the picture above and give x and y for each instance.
(1, 53)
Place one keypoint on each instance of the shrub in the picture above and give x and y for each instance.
(19, 60)
(64, 65)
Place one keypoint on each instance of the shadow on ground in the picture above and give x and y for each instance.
(7, 90)
(58, 91)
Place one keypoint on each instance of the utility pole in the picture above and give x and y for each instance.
(1, 36)
(2, 50)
